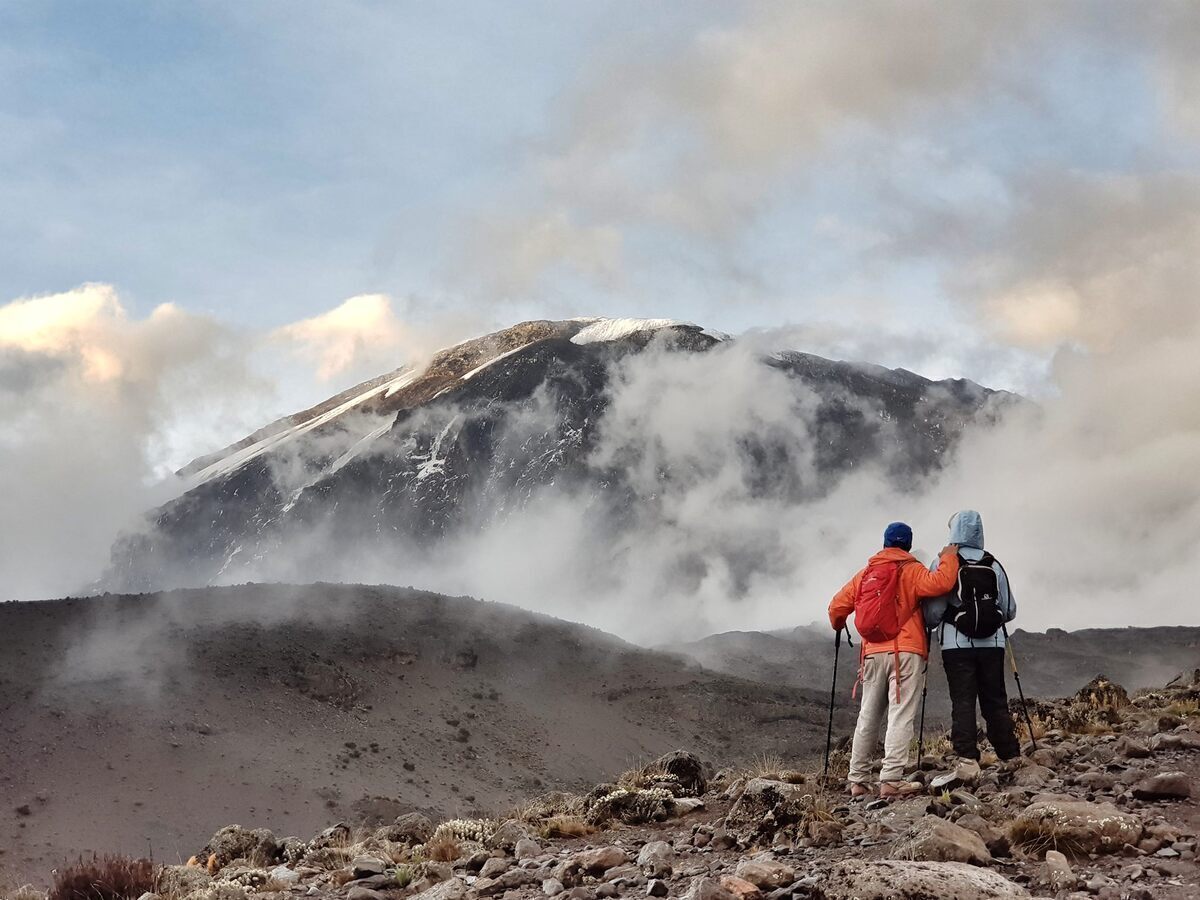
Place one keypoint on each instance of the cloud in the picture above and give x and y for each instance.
(362, 331)
(99, 407)
(693, 138)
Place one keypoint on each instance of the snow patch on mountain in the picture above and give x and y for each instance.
(236, 460)
(495, 359)
(601, 330)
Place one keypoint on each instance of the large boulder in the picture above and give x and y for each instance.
(1164, 786)
(687, 770)
(656, 859)
(507, 836)
(765, 872)
(411, 829)
(856, 879)
(764, 807)
(233, 842)
(705, 888)
(1101, 693)
(601, 859)
(1075, 827)
(936, 840)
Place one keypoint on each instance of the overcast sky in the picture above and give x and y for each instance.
(737, 164)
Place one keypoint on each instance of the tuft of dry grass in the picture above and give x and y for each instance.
(274, 886)
(1183, 708)
(442, 849)
(1035, 838)
(765, 765)
(566, 827)
(24, 892)
(1039, 728)
(109, 877)
(342, 876)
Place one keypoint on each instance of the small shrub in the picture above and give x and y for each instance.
(403, 876)
(104, 878)
(442, 849)
(24, 892)
(476, 830)
(342, 876)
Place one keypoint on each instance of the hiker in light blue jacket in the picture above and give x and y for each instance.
(969, 624)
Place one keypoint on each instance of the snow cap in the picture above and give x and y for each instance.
(898, 535)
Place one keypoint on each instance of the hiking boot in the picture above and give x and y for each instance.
(890, 790)
(858, 790)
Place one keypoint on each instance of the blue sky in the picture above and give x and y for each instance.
(262, 162)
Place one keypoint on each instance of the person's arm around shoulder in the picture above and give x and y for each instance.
(940, 580)
(842, 603)
(1008, 604)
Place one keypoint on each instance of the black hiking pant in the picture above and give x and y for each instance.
(976, 675)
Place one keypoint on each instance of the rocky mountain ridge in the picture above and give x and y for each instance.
(416, 456)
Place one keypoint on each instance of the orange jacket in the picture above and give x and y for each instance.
(916, 582)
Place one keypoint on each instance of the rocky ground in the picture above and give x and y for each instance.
(294, 706)
(1104, 806)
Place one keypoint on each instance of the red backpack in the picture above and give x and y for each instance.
(877, 614)
(877, 606)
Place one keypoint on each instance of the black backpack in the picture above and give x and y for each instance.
(978, 613)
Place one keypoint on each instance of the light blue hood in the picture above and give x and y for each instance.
(966, 529)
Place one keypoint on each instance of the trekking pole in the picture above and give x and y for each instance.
(1012, 658)
(924, 694)
(837, 647)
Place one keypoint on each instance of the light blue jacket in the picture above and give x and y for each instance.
(966, 530)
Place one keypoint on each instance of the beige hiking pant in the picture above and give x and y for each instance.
(879, 699)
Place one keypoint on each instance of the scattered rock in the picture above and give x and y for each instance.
(552, 887)
(740, 888)
(411, 829)
(936, 840)
(765, 872)
(256, 846)
(494, 866)
(687, 769)
(1076, 826)
(1130, 748)
(507, 836)
(284, 875)
(1164, 786)
(179, 881)
(527, 848)
(764, 807)
(358, 892)
(656, 888)
(705, 888)
(655, 859)
(856, 879)
(601, 859)
(1183, 740)
(1033, 776)
(1057, 873)
(452, 889)
(366, 866)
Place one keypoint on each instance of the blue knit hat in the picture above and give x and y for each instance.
(898, 535)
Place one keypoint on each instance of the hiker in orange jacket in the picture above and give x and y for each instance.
(891, 671)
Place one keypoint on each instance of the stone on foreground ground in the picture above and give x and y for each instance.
(857, 879)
